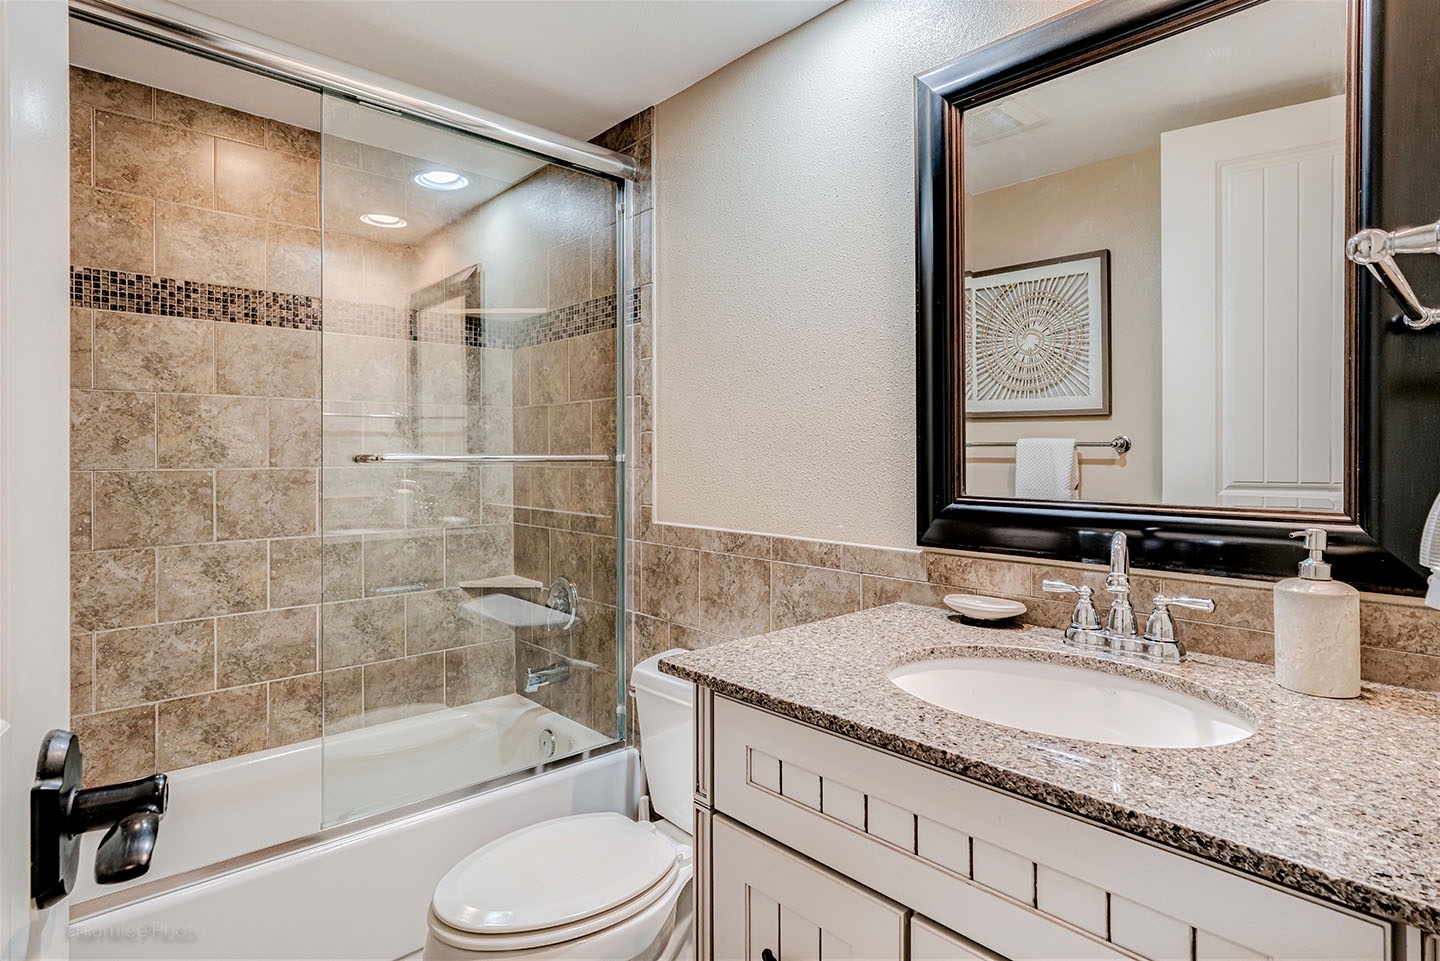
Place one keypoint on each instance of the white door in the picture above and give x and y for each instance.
(34, 441)
(1252, 224)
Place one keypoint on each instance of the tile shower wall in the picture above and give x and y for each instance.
(693, 587)
(195, 429)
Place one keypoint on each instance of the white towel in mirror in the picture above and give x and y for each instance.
(1047, 468)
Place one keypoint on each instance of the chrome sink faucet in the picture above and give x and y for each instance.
(1120, 637)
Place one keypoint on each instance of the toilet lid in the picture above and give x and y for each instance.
(553, 873)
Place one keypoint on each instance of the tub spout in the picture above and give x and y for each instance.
(549, 674)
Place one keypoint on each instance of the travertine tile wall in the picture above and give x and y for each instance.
(694, 587)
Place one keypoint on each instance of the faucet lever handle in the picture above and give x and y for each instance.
(1084, 617)
(1159, 626)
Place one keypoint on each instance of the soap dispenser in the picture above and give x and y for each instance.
(1317, 627)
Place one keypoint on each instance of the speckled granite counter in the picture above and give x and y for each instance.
(1339, 799)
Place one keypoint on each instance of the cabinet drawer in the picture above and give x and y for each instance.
(990, 865)
(767, 898)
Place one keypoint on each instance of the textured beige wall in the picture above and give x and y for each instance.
(785, 294)
(1115, 205)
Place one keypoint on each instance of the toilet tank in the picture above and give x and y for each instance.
(664, 713)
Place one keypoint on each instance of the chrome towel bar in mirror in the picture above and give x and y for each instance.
(476, 458)
(1376, 249)
(1120, 444)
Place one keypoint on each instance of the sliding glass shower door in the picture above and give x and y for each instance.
(470, 491)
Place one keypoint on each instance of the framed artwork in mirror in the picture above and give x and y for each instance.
(1037, 338)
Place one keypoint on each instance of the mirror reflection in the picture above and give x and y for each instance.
(1154, 272)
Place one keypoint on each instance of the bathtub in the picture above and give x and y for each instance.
(242, 869)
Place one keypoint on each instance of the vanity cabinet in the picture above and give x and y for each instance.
(812, 845)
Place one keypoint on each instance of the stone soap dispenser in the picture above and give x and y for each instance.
(1317, 627)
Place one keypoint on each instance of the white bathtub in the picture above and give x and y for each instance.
(344, 894)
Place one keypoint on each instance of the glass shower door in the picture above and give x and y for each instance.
(470, 488)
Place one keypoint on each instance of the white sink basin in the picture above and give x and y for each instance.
(1070, 701)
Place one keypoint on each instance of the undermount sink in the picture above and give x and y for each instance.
(1066, 700)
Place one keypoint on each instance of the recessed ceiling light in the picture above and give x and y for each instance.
(441, 180)
(383, 220)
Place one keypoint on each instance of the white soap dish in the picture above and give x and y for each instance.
(980, 608)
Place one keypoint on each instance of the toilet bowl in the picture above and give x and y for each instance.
(589, 887)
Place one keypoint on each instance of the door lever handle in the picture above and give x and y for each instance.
(61, 811)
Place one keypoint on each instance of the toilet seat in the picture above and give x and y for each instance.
(554, 882)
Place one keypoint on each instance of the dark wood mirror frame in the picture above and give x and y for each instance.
(1393, 376)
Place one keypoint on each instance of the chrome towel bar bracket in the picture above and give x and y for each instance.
(1375, 250)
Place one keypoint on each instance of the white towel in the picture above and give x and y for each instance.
(1047, 468)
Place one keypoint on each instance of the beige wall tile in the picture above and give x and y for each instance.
(670, 583)
(118, 745)
(266, 183)
(520, 363)
(1257, 646)
(206, 580)
(883, 561)
(549, 373)
(532, 552)
(361, 632)
(532, 430)
(111, 430)
(416, 683)
(211, 727)
(143, 508)
(799, 595)
(980, 574)
(209, 246)
(734, 595)
(342, 707)
(570, 557)
(112, 231)
(82, 340)
(266, 645)
(146, 352)
(82, 674)
(341, 571)
(267, 361)
(364, 368)
(1400, 627)
(296, 705)
(82, 123)
(649, 636)
(211, 118)
(296, 434)
(142, 664)
(879, 591)
(275, 502)
(209, 430)
(794, 550)
(569, 428)
(1419, 671)
(110, 93)
(403, 560)
(154, 160)
(292, 259)
(1252, 608)
(602, 261)
(290, 139)
(435, 620)
(81, 492)
(295, 572)
(592, 366)
(479, 672)
(110, 589)
(475, 552)
(569, 274)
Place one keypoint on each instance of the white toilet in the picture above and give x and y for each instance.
(590, 887)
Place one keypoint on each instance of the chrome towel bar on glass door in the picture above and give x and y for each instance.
(1120, 444)
(477, 458)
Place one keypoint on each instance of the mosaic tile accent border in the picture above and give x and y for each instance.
(92, 287)
(144, 294)
(586, 317)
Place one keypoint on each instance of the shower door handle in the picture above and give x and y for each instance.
(61, 811)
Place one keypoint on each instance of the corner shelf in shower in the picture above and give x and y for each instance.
(504, 582)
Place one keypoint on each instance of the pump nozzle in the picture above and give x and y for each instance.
(1314, 567)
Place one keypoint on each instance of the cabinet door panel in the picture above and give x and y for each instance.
(768, 897)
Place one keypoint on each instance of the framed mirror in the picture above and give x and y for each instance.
(1135, 311)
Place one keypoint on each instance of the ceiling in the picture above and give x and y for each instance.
(1119, 106)
(576, 67)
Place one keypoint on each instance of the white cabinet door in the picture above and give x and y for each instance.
(1252, 309)
(771, 904)
(931, 942)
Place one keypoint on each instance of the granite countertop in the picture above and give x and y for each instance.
(1336, 798)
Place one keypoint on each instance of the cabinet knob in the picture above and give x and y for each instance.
(767, 955)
